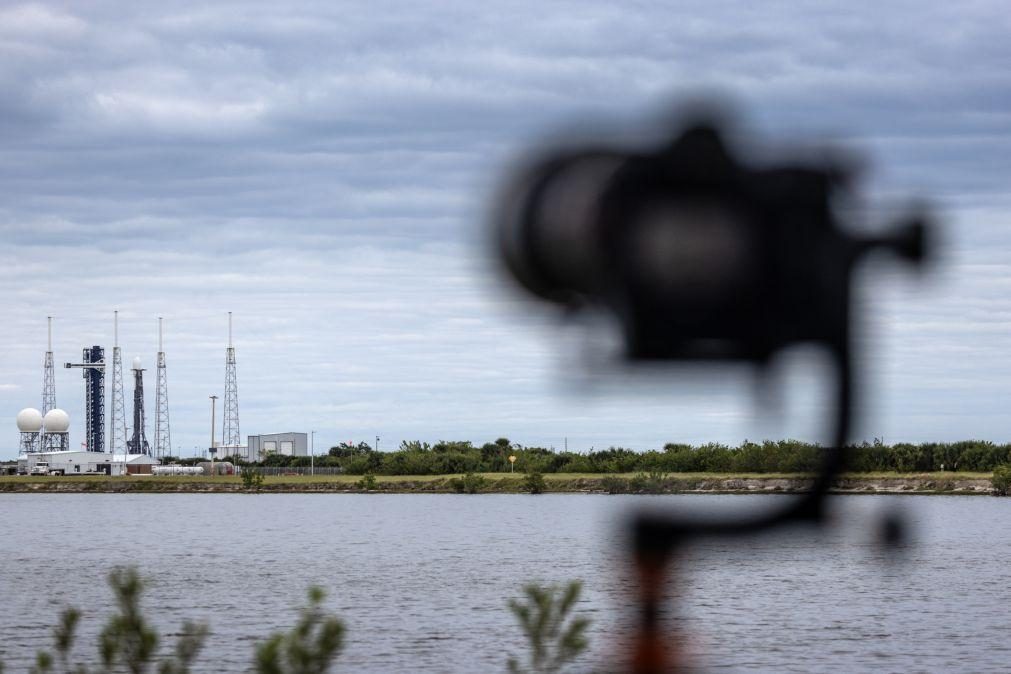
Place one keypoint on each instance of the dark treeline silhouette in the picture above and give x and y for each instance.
(782, 456)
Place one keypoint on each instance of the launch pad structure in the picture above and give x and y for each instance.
(93, 366)
(117, 438)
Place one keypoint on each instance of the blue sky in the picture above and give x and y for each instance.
(323, 170)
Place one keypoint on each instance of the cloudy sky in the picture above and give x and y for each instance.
(323, 170)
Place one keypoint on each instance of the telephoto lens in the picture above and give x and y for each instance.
(548, 225)
(698, 254)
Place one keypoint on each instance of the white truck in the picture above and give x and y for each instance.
(42, 468)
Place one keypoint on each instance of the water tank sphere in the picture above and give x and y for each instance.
(56, 421)
(136, 363)
(29, 420)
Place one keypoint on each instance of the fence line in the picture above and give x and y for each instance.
(296, 470)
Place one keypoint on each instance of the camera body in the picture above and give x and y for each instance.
(698, 255)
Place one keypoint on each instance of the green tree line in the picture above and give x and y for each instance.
(781, 456)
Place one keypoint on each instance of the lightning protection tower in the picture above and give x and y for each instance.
(162, 436)
(117, 422)
(48, 375)
(230, 436)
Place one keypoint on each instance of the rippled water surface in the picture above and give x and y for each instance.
(422, 580)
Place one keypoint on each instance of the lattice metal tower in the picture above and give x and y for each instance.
(230, 436)
(162, 436)
(31, 442)
(48, 375)
(117, 422)
(138, 443)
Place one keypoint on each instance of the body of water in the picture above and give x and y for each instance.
(422, 580)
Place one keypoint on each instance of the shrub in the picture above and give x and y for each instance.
(614, 485)
(555, 639)
(470, 483)
(657, 474)
(533, 482)
(1000, 482)
(944, 486)
(310, 646)
(367, 483)
(252, 479)
(127, 641)
(358, 465)
(652, 482)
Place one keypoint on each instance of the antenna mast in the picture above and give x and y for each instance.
(230, 436)
(117, 421)
(162, 436)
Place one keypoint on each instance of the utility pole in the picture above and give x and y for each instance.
(312, 454)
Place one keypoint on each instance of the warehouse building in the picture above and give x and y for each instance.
(286, 444)
(85, 463)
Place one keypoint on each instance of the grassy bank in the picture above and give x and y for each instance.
(882, 482)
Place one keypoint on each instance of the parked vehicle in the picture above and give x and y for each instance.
(43, 468)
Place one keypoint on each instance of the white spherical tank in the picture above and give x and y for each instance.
(56, 421)
(136, 363)
(29, 420)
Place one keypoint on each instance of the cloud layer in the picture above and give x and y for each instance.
(323, 171)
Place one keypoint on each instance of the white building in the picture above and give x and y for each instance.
(81, 463)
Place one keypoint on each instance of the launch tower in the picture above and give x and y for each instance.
(93, 366)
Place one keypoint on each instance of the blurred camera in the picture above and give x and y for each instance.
(699, 255)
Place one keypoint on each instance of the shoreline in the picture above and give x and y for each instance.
(923, 483)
